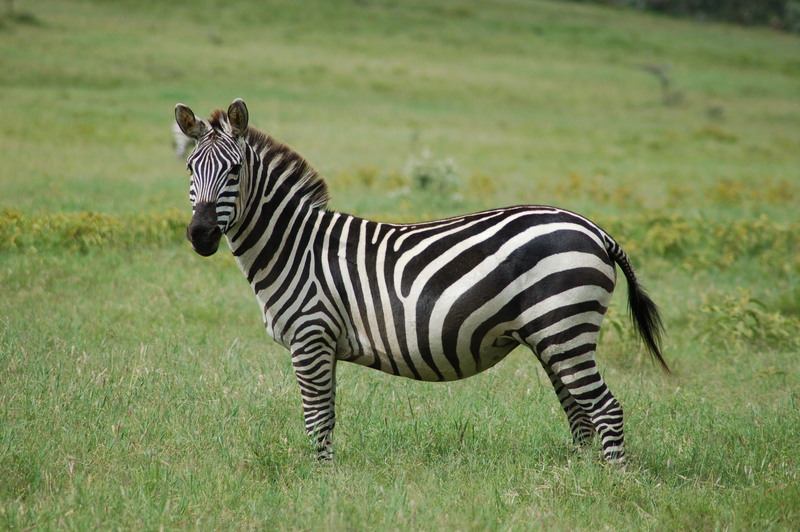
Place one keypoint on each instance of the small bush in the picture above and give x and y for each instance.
(431, 174)
(740, 322)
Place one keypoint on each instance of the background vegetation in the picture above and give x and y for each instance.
(139, 390)
(779, 14)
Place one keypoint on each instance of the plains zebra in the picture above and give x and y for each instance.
(180, 141)
(433, 301)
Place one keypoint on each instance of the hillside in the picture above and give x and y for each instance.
(543, 100)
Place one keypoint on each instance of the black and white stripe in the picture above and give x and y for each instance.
(433, 301)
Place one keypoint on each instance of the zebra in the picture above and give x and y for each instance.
(432, 301)
(180, 141)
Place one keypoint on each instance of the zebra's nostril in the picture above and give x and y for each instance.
(205, 240)
(203, 226)
(203, 234)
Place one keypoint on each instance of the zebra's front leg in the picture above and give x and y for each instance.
(314, 366)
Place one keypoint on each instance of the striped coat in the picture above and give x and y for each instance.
(434, 301)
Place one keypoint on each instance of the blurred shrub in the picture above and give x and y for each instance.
(429, 173)
(696, 243)
(733, 192)
(692, 243)
(482, 186)
(738, 321)
(597, 188)
(780, 14)
(84, 231)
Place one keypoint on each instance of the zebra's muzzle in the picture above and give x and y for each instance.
(202, 231)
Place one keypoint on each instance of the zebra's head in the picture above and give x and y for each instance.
(216, 166)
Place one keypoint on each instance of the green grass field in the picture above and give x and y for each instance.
(138, 389)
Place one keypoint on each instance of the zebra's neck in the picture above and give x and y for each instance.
(276, 180)
(282, 200)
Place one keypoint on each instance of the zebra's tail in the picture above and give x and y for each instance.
(644, 312)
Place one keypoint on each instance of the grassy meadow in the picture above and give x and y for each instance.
(138, 389)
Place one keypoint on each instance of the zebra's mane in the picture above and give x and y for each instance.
(304, 179)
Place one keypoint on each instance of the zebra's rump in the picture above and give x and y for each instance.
(446, 300)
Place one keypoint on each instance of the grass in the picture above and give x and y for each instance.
(151, 415)
(138, 389)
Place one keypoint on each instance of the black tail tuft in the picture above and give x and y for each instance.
(644, 312)
(646, 320)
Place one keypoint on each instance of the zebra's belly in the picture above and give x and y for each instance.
(432, 366)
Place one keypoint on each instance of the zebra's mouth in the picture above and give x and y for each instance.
(202, 231)
(206, 249)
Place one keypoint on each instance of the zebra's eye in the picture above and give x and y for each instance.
(235, 169)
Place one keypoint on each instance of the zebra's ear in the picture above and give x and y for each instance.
(188, 123)
(238, 116)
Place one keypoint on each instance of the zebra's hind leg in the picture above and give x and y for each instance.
(584, 383)
(607, 418)
(580, 425)
(315, 368)
(575, 368)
